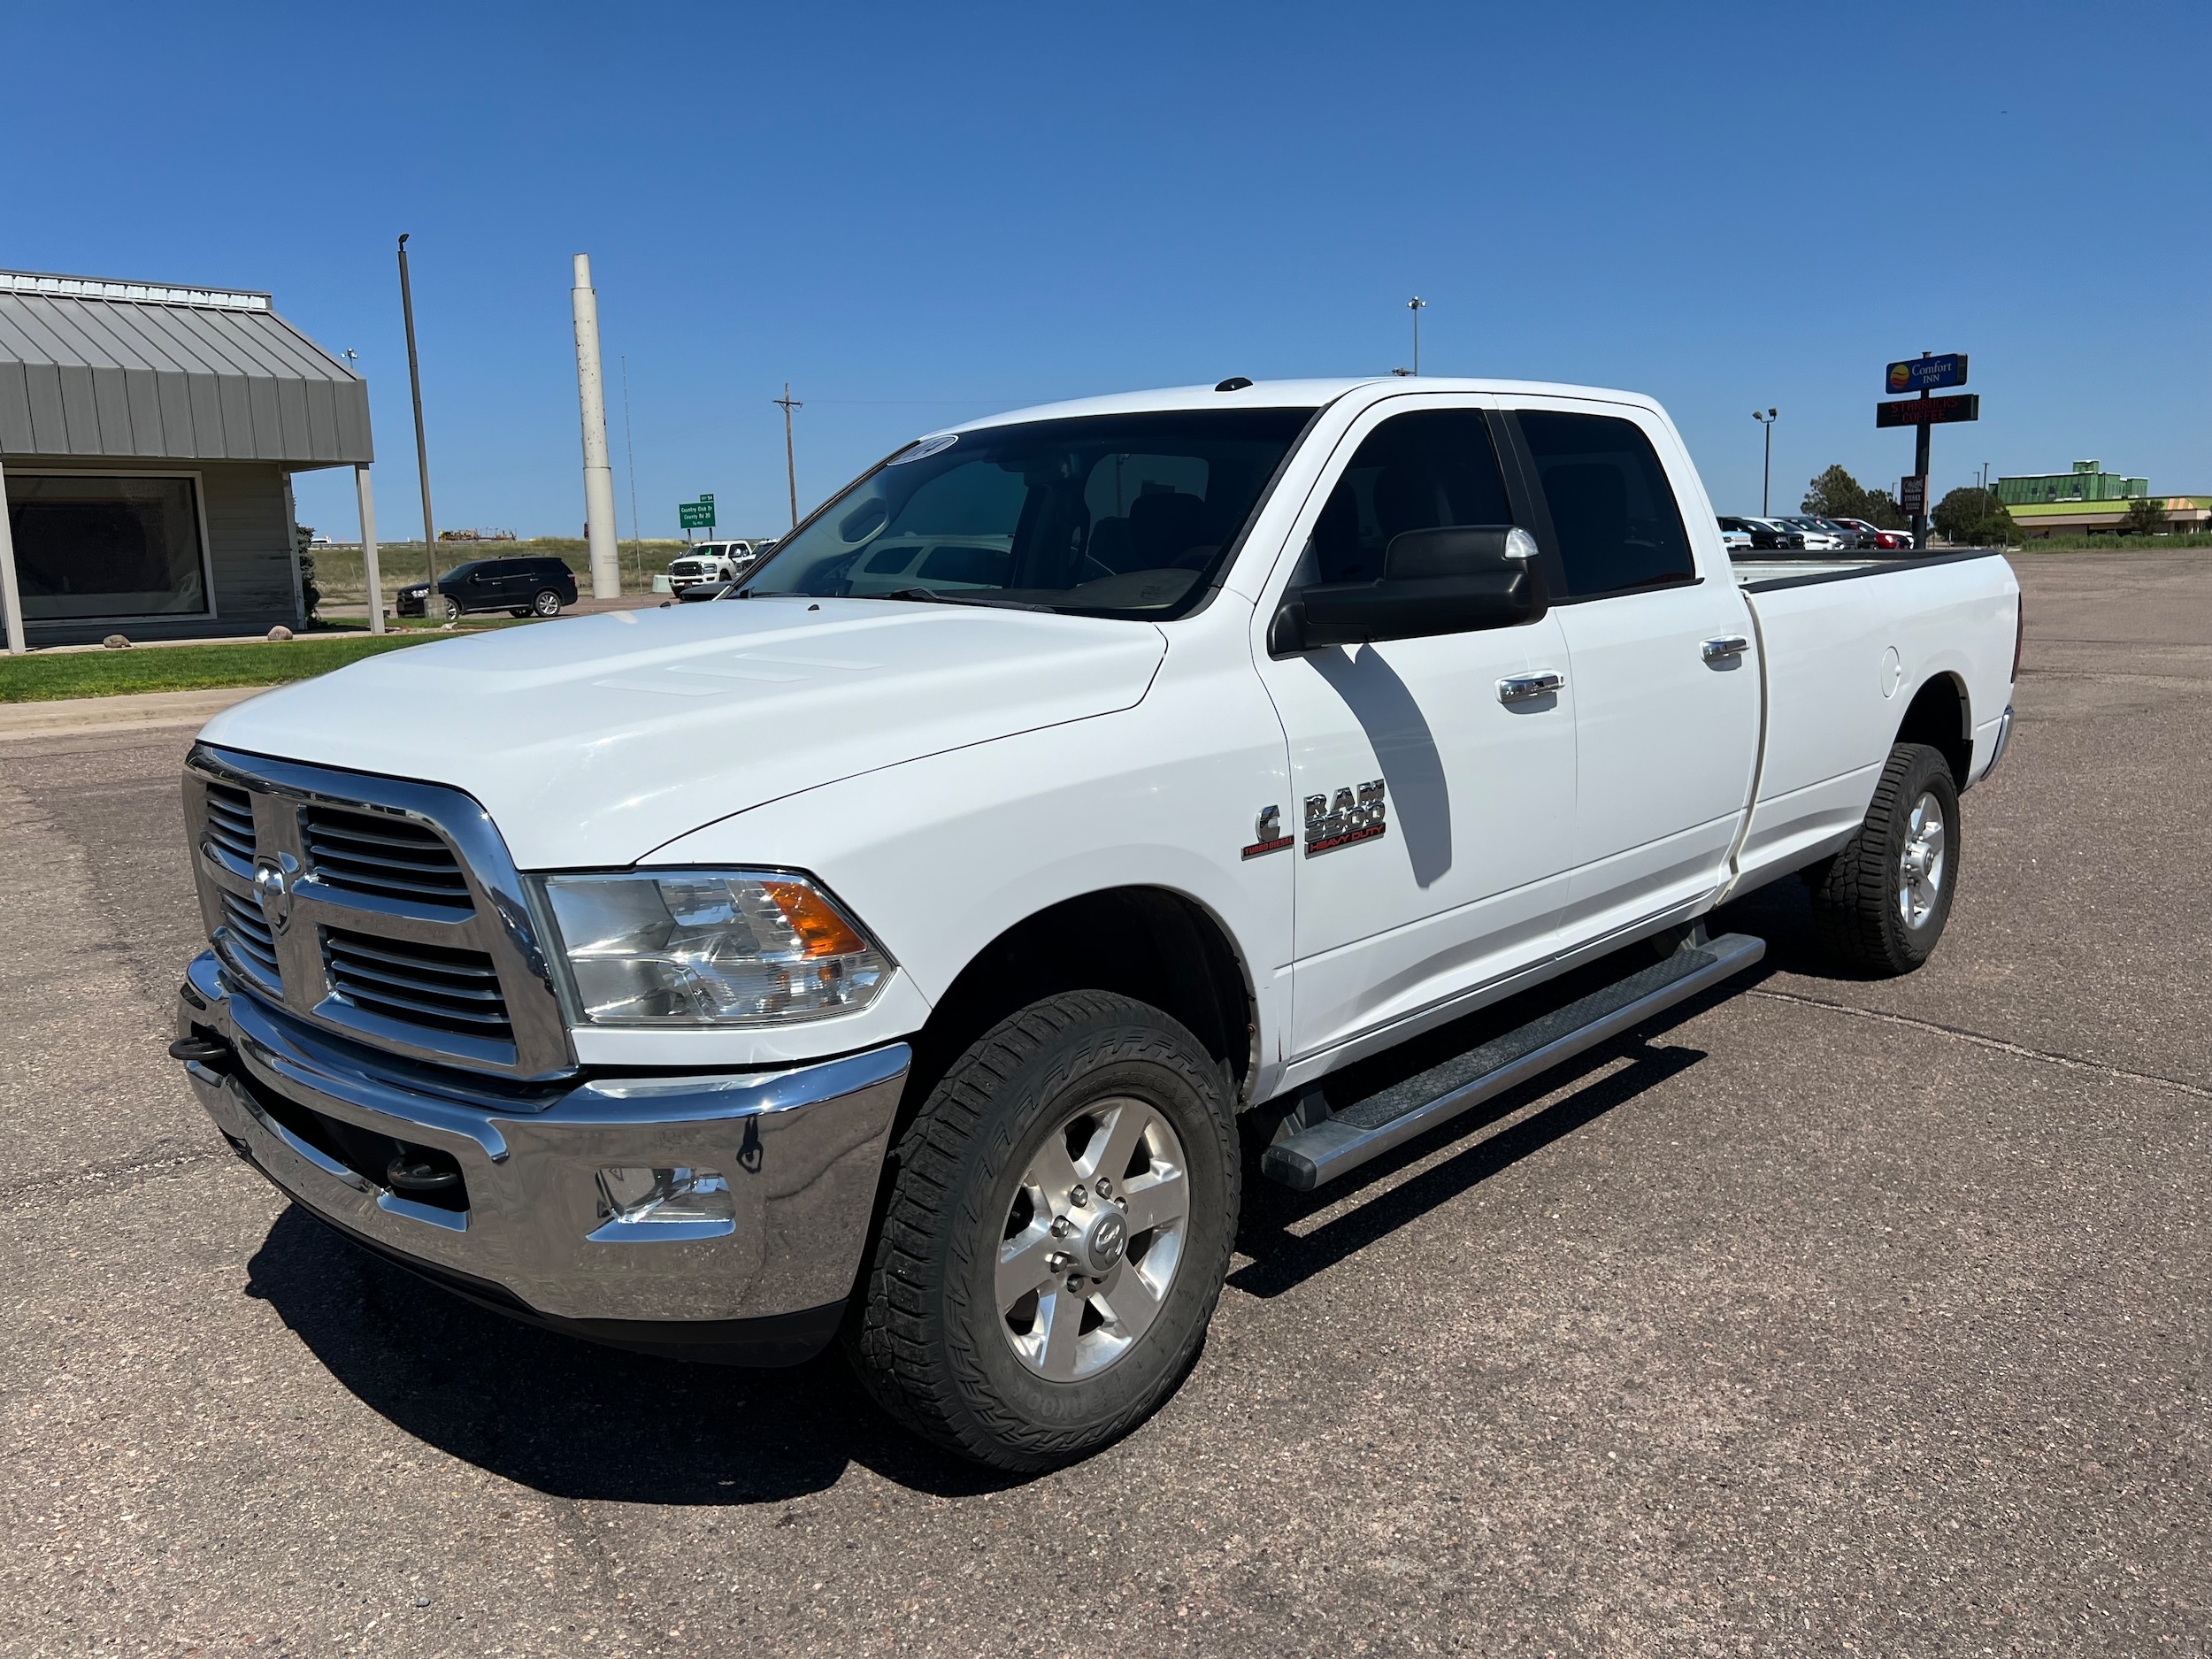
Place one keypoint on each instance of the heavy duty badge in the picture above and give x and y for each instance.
(1269, 832)
(1345, 821)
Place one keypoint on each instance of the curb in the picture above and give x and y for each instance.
(134, 711)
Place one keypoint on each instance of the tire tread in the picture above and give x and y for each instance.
(922, 1369)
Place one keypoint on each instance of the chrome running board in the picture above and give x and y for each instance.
(1318, 1144)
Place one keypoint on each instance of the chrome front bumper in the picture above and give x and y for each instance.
(801, 1151)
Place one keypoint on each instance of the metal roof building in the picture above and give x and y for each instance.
(148, 437)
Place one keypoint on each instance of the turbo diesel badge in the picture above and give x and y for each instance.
(1347, 820)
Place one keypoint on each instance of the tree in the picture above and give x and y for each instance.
(2145, 516)
(1883, 512)
(1835, 493)
(304, 538)
(1974, 517)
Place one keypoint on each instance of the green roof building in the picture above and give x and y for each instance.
(2088, 481)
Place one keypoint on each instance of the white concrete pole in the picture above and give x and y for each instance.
(606, 556)
(10, 595)
(369, 567)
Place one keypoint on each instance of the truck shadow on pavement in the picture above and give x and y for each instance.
(571, 1419)
(1283, 1259)
(576, 1421)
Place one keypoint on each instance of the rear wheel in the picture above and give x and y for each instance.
(548, 603)
(1881, 904)
(1057, 1234)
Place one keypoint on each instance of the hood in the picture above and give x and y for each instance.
(593, 741)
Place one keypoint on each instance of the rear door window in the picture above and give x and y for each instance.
(1613, 513)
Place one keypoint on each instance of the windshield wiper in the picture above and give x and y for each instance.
(930, 595)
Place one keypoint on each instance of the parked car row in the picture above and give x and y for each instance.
(1800, 533)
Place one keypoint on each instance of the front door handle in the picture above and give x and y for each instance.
(1527, 687)
(1721, 650)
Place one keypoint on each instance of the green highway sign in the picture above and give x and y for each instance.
(695, 515)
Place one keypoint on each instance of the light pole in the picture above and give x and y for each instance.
(422, 448)
(1417, 306)
(1766, 472)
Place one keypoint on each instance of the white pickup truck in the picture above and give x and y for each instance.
(1083, 806)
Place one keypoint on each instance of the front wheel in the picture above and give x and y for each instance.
(1880, 903)
(450, 608)
(548, 603)
(1057, 1234)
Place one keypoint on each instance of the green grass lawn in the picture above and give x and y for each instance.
(187, 667)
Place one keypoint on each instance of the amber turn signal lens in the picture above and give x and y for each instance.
(823, 931)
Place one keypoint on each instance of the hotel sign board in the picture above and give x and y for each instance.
(1926, 374)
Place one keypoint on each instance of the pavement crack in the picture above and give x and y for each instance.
(130, 1173)
(1979, 1040)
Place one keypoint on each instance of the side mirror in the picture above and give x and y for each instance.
(1456, 579)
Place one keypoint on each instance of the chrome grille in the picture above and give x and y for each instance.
(249, 937)
(389, 857)
(382, 909)
(445, 989)
(230, 820)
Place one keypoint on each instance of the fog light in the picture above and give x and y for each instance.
(664, 1203)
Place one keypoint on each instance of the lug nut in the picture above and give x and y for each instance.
(1078, 1196)
(1104, 1187)
(1059, 1261)
(1075, 1284)
(1122, 1202)
(1062, 1226)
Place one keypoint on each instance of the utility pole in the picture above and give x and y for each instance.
(629, 447)
(790, 465)
(1417, 306)
(1766, 472)
(591, 396)
(422, 450)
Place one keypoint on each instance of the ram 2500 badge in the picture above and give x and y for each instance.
(893, 950)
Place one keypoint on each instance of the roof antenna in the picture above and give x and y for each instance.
(1235, 383)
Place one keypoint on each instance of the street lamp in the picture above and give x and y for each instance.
(1766, 472)
(1417, 306)
(422, 447)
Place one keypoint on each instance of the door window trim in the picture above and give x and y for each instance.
(1276, 583)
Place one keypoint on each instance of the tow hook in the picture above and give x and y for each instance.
(205, 1050)
(416, 1172)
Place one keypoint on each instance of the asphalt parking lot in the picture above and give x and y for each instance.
(1830, 1318)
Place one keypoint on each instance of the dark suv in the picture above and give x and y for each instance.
(522, 586)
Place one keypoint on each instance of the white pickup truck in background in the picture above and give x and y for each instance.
(894, 946)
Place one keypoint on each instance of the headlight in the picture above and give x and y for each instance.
(711, 948)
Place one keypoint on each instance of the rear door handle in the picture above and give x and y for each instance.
(1719, 651)
(1527, 687)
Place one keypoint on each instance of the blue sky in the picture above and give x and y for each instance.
(920, 214)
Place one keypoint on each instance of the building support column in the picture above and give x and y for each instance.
(606, 556)
(369, 569)
(10, 596)
(292, 541)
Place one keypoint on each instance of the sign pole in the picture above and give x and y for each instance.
(1920, 466)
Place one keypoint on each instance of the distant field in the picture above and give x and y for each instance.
(338, 569)
(189, 667)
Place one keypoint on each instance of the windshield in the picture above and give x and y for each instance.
(1104, 515)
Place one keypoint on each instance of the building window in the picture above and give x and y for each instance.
(89, 548)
